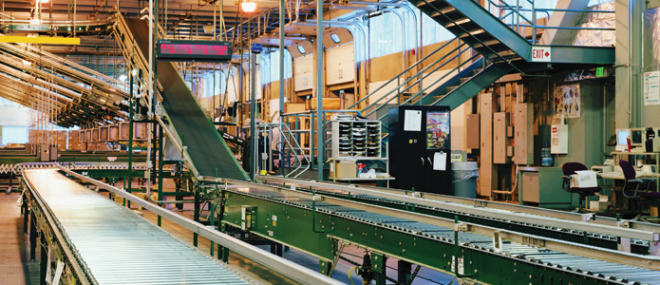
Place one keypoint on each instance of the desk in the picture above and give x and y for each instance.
(543, 186)
(618, 194)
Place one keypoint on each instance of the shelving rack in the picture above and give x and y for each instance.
(359, 140)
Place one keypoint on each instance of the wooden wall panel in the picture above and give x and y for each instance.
(385, 67)
(340, 64)
(304, 73)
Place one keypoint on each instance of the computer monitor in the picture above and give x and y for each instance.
(637, 137)
(622, 136)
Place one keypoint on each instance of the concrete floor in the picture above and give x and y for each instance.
(15, 267)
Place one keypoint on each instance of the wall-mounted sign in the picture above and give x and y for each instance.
(652, 88)
(541, 54)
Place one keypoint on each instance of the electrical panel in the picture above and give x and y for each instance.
(500, 139)
(472, 129)
(524, 133)
(487, 173)
(559, 139)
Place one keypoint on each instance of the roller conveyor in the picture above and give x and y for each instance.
(115, 245)
(622, 274)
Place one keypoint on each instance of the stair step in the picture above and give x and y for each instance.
(487, 43)
(464, 79)
(432, 2)
(451, 88)
(505, 54)
(447, 10)
(458, 23)
(473, 33)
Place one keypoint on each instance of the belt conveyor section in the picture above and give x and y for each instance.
(576, 269)
(209, 153)
(115, 245)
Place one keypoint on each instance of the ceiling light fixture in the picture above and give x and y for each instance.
(248, 6)
(209, 28)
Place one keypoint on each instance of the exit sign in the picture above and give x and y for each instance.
(541, 54)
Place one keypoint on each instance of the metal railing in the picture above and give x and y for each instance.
(297, 151)
(516, 14)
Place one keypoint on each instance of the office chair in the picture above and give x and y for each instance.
(637, 189)
(569, 169)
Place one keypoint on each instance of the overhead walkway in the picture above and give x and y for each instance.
(112, 245)
(204, 149)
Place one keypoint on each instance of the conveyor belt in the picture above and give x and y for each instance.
(207, 150)
(118, 246)
(577, 264)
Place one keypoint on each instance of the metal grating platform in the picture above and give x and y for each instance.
(117, 245)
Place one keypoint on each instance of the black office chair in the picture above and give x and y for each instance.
(639, 189)
(569, 169)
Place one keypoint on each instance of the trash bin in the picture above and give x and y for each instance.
(465, 179)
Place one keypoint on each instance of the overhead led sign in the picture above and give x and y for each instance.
(204, 51)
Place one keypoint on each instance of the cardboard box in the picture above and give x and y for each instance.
(343, 168)
(583, 179)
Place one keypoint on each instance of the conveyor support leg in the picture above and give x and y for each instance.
(44, 261)
(26, 212)
(33, 237)
(405, 269)
(378, 265)
(324, 267)
(223, 252)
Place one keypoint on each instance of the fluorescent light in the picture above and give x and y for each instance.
(123, 78)
(27, 62)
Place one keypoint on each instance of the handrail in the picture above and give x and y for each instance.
(402, 73)
(420, 73)
(439, 79)
(291, 147)
(421, 92)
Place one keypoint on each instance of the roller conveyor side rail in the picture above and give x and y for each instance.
(514, 213)
(614, 256)
(275, 263)
(427, 241)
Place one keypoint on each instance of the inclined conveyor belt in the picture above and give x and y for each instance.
(578, 264)
(119, 247)
(208, 151)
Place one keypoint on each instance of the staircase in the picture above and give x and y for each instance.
(499, 50)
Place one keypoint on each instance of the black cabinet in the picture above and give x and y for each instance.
(419, 136)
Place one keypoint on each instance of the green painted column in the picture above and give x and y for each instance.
(196, 213)
(319, 89)
(130, 136)
(160, 168)
(212, 223)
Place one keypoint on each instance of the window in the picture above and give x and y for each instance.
(301, 49)
(14, 135)
(335, 38)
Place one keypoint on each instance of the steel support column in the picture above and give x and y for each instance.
(130, 136)
(160, 168)
(196, 212)
(282, 170)
(319, 90)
